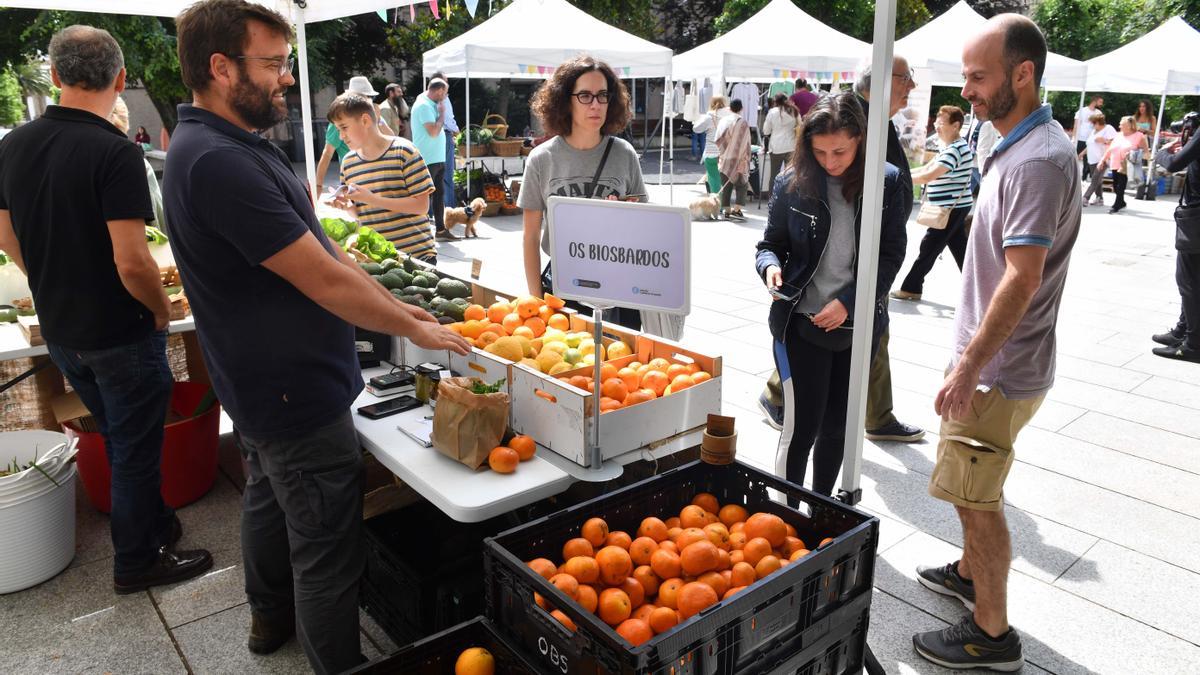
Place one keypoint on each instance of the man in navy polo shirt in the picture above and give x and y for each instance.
(275, 305)
(73, 209)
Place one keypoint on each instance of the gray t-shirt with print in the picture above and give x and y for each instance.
(1029, 196)
(835, 271)
(556, 168)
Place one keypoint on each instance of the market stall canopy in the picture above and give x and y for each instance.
(1162, 61)
(530, 38)
(312, 11)
(938, 46)
(779, 42)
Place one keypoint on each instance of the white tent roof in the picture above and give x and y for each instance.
(315, 10)
(938, 46)
(1145, 66)
(530, 38)
(779, 42)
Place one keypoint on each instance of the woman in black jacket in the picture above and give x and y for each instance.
(809, 256)
(1183, 341)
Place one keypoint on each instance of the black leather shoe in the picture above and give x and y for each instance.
(170, 567)
(268, 635)
(1179, 352)
(1169, 338)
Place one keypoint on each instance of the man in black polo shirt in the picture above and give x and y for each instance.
(73, 209)
(274, 302)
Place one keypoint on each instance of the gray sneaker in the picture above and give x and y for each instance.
(945, 580)
(965, 645)
(896, 431)
(771, 412)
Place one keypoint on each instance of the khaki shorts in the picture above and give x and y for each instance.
(976, 452)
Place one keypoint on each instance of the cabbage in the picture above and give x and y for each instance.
(337, 229)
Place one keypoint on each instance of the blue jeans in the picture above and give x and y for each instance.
(127, 389)
(448, 179)
(698, 142)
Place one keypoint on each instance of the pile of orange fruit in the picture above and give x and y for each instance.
(527, 317)
(639, 382)
(668, 570)
(504, 458)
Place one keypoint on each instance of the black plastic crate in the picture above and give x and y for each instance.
(413, 591)
(436, 654)
(810, 617)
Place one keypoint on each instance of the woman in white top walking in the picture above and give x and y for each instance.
(718, 108)
(780, 127)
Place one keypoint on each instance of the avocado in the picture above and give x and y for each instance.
(374, 269)
(444, 320)
(421, 281)
(408, 299)
(391, 281)
(410, 265)
(8, 315)
(453, 288)
(462, 302)
(431, 277)
(448, 308)
(389, 263)
(425, 293)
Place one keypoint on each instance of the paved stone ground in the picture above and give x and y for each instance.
(1102, 500)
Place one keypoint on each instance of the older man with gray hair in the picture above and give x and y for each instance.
(105, 322)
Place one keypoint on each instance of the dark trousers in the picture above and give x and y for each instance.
(778, 161)
(879, 388)
(1096, 185)
(127, 389)
(816, 385)
(302, 542)
(1120, 180)
(1187, 276)
(954, 236)
(437, 201)
(740, 183)
(1080, 146)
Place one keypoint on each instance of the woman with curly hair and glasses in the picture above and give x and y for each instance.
(582, 106)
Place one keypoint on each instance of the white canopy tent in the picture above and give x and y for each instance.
(504, 47)
(780, 42)
(938, 46)
(301, 13)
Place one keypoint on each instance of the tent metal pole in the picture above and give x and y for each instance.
(467, 141)
(670, 133)
(1162, 103)
(310, 167)
(662, 146)
(868, 252)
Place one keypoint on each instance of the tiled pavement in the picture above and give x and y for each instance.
(1103, 501)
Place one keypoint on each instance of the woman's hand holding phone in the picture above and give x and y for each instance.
(774, 278)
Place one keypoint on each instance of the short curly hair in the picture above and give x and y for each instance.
(552, 102)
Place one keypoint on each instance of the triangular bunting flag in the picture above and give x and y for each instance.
(412, 13)
(433, 7)
(471, 4)
(382, 14)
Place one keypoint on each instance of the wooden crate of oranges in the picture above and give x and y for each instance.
(696, 569)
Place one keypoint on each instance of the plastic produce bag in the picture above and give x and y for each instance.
(466, 425)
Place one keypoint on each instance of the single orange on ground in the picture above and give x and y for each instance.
(768, 565)
(663, 619)
(614, 388)
(695, 597)
(543, 567)
(553, 302)
(707, 501)
(742, 574)
(756, 549)
(615, 565)
(690, 536)
(691, 516)
(618, 538)
(577, 546)
(614, 606)
(643, 612)
(595, 530)
(525, 447)
(503, 459)
(768, 526)
(698, 558)
(527, 306)
(635, 631)
(716, 580)
(475, 661)
(641, 549)
(634, 589)
(668, 592)
(666, 564)
(583, 568)
(587, 598)
(648, 579)
(564, 620)
(654, 528)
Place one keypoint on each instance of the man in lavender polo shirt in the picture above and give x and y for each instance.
(1026, 222)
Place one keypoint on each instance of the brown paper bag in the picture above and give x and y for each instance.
(466, 425)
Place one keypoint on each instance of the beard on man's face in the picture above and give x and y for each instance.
(1002, 102)
(256, 104)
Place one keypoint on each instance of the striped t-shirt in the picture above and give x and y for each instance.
(954, 187)
(398, 173)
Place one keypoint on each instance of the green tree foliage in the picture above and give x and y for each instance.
(12, 104)
(855, 18)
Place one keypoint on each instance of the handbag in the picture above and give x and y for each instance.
(836, 340)
(937, 217)
(1187, 228)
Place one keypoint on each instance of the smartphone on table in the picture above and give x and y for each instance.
(391, 406)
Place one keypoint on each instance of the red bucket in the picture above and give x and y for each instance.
(189, 454)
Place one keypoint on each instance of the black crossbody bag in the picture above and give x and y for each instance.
(547, 280)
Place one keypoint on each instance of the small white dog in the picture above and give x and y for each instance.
(706, 207)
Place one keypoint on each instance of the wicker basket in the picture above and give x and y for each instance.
(514, 188)
(525, 150)
(499, 128)
(492, 209)
(477, 150)
(507, 148)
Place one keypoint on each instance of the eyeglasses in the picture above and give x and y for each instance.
(586, 97)
(285, 65)
(906, 78)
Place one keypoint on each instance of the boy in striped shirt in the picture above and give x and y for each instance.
(387, 185)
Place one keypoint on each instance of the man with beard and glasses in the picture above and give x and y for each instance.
(1026, 222)
(276, 304)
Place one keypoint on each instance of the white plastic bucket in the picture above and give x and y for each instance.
(37, 514)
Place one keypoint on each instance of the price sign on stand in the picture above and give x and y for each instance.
(621, 254)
